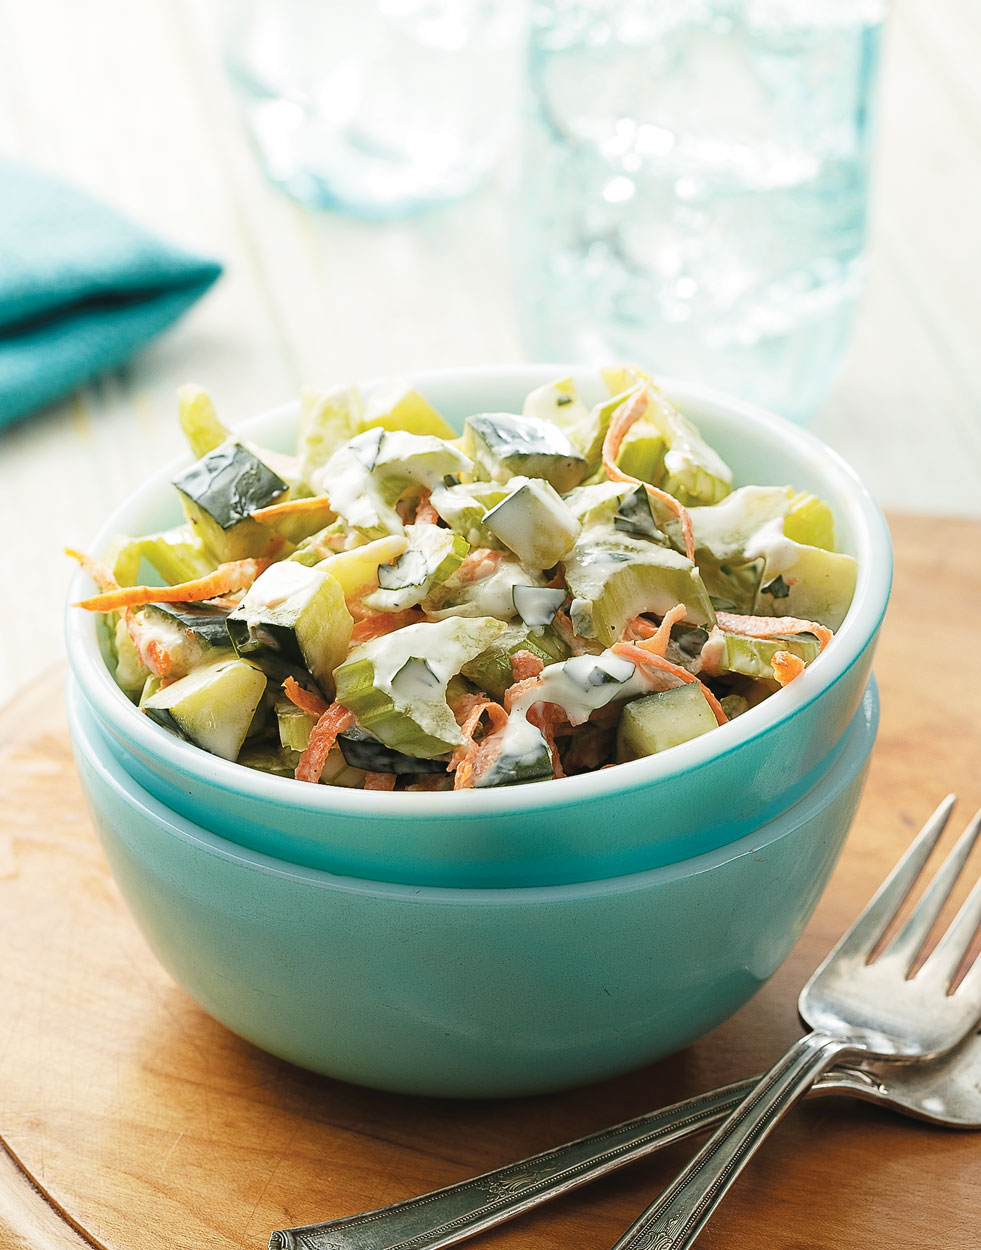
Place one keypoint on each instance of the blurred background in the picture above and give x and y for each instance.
(777, 197)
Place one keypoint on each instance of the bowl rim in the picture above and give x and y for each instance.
(88, 738)
(872, 548)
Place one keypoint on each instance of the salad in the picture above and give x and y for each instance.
(396, 606)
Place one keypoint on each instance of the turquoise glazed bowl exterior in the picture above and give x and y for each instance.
(656, 811)
(467, 992)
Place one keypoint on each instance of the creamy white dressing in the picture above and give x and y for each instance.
(730, 527)
(779, 552)
(489, 596)
(279, 583)
(568, 685)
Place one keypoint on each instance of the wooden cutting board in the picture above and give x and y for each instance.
(130, 1115)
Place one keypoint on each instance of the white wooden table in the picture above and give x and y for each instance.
(127, 98)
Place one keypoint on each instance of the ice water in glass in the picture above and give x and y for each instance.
(694, 188)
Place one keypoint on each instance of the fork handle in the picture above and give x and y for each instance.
(674, 1220)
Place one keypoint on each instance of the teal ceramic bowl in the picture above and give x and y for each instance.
(467, 992)
(695, 798)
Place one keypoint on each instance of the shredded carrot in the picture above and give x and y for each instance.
(236, 575)
(306, 700)
(468, 711)
(322, 738)
(426, 514)
(379, 781)
(384, 623)
(152, 653)
(524, 665)
(545, 716)
(631, 651)
(656, 639)
(632, 410)
(427, 783)
(291, 507)
(99, 572)
(786, 666)
(772, 626)
(473, 567)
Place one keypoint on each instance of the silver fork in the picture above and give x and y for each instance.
(859, 1003)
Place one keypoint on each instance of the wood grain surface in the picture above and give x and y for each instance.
(147, 1126)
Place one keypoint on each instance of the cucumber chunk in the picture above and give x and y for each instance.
(206, 623)
(492, 671)
(212, 706)
(220, 491)
(293, 724)
(524, 756)
(534, 522)
(293, 616)
(753, 657)
(663, 720)
(363, 750)
(433, 554)
(503, 445)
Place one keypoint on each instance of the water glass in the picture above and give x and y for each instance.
(377, 108)
(695, 185)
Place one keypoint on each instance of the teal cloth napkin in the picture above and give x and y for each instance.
(81, 288)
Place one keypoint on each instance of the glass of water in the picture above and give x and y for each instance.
(375, 107)
(695, 185)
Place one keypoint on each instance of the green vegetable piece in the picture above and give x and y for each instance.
(557, 402)
(491, 670)
(663, 720)
(327, 420)
(810, 522)
(734, 705)
(615, 579)
(213, 705)
(806, 582)
(693, 472)
(123, 557)
(363, 750)
(294, 725)
(368, 475)
(725, 532)
(205, 623)
(524, 756)
(397, 406)
(219, 492)
(754, 656)
(642, 452)
(503, 445)
(277, 761)
(634, 517)
(178, 555)
(130, 672)
(433, 555)
(199, 421)
(293, 616)
(463, 508)
(534, 522)
(396, 685)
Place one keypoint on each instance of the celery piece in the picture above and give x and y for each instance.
(269, 759)
(753, 657)
(433, 554)
(219, 493)
(491, 670)
(123, 557)
(327, 420)
(662, 720)
(589, 434)
(810, 522)
(398, 406)
(198, 420)
(614, 579)
(178, 555)
(503, 445)
(642, 452)
(366, 477)
(337, 772)
(597, 503)
(693, 471)
(213, 705)
(396, 685)
(534, 522)
(293, 616)
(294, 725)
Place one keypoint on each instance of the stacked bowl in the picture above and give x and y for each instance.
(497, 942)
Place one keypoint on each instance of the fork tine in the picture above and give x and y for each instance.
(861, 938)
(909, 941)
(945, 959)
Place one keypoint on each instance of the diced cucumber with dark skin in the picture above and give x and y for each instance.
(492, 671)
(535, 523)
(503, 445)
(206, 623)
(433, 555)
(220, 491)
(212, 706)
(524, 757)
(634, 517)
(363, 750)
(663, 720)
(294, 616)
